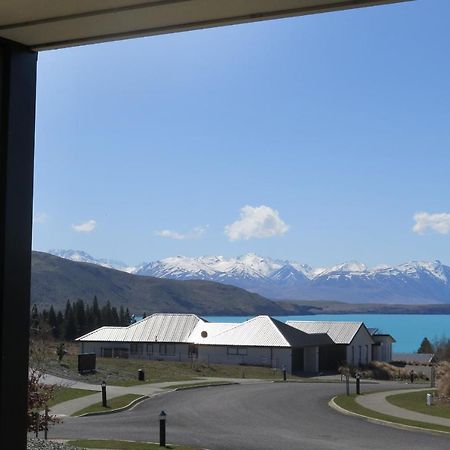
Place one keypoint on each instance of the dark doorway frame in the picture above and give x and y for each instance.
(17, 124)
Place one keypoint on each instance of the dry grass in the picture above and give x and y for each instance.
(380, 370)
(443, 381)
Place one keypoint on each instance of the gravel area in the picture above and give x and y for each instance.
(42, 444)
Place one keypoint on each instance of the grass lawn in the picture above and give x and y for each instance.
(124, 372)
(62, 394)
(416, 401)
(124, 445)
(349, 403)
(114, 403)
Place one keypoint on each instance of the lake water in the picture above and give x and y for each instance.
(407, 329)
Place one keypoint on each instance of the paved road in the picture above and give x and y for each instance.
(255, 417)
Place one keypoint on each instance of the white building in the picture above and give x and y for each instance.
(297, 346)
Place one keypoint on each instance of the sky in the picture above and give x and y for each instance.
(319, 139)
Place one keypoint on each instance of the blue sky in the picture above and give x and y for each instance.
(316, 138)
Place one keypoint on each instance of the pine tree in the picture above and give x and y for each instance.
(127, 317)
(115, 321)
(106, 316)
(52, 321)
(70, 324)
(34, 320)
(96, 313)
(80, 317)
(425, 346)
(59, 325)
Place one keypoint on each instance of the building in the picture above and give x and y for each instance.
(297, 346)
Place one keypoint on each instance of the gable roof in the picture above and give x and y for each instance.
(204, 331)
(339, 332)
(261, 331)
(155, 328)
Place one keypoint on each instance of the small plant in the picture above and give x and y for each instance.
(39, 395)
(61, 351)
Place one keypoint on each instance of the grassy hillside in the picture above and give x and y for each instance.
(54, 280)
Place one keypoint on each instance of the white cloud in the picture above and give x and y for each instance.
(256, 222)
(439, 222)
(195, 233)
(85, 227)
(40, 217)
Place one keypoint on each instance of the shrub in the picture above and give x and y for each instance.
(443, 381)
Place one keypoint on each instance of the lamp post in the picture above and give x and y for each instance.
(358, 386)
(104, 393)
(162, 429)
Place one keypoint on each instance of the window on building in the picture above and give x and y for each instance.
(167, 349)
(136, 347)
(237, 351)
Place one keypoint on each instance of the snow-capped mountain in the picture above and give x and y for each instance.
(412, 282)
(81, 256)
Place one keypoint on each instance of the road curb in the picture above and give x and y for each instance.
(116, 410)
(147, 397)
(332, 404)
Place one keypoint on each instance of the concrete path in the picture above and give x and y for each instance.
(377, 402)
(150, 390)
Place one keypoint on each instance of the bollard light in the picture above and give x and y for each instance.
(429, 399)
(358, 386)
(103, 393)
(162, 428)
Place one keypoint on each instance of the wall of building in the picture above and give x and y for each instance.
(258, 356)
(359, 351)
(382, 351)
(151, 350)
(311, 359)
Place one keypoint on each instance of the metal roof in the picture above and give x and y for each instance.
(339, 332)
(418, 358)
(44, 24)
(261, 331)
(155, 328)
(105, 334)
(204, 331)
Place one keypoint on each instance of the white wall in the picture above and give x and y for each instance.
(261, 356)
(144, 351)
(359, 351)
(383, 352)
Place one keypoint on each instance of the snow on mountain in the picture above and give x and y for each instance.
(81, 256)
(411, 282)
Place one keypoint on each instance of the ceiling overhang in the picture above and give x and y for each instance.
(49, 24)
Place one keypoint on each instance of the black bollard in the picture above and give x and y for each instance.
(284, 373)
(358, 378)
(162, 429)
(347, 383)
(104, 394)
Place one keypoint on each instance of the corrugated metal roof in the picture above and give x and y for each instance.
(420, 358)
(339, 332)
(104, 334)
(261, 331)
(211, 329)
(155, 328)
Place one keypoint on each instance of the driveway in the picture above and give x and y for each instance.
(253, 416)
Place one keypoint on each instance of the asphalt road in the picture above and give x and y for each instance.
(258, 416)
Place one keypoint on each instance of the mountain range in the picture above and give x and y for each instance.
(414, 282)
(55, 280)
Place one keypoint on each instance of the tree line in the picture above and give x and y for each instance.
(78, 318)
(439, 347)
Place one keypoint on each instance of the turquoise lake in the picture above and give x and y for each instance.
(407, 329)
